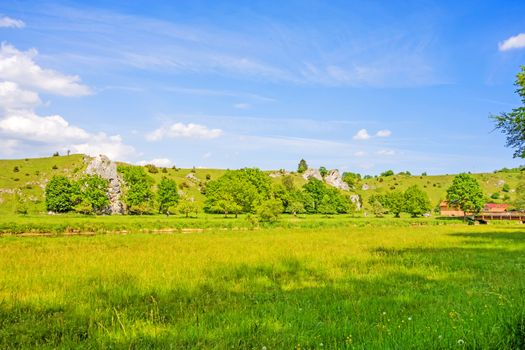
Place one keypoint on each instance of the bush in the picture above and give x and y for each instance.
(152, 169)
(16, 169)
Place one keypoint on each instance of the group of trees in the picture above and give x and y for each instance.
(88, 195)
(251, 191)
(139, 198)
(413, 201)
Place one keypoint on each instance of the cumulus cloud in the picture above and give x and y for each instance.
(160, 162)
(12, 97)
(384, 133)
(20, 125)
(362, 135)
(514, 42)
(7, 22)
(19, 67)
(111, 146)
(29, 126)
(180, 130)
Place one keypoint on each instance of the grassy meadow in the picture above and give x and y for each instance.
(372, 287)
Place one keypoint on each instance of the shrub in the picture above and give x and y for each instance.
(54, 167)
(16, 169)
(152, 169)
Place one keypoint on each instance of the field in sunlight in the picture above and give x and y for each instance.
(277, 288)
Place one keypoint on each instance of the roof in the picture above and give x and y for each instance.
(496, 206)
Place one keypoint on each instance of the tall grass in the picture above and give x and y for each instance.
(419, 287)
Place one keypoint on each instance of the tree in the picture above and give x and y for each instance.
(188, 206)
(394, 201)
(376, 205)
(288, 182)
(167, 194)
(302, 167)
(59, 194)
(323, 171)
(387, 173)
(226, 205)
(513, 123)
(92, 195)
(465, 193)
(416, 201)
(519, 202)
(327, 206)
(246, 188)
(351, 179)
(138, 197)
(269, 210)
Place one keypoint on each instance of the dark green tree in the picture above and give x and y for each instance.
(59, 194)
(465, 193)
(512, 124)
(167, 194)
(323, 171)
(302, 167)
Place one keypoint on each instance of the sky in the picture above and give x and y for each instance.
(361, 86)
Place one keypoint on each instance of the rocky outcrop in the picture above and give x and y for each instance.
(334, 179)
(357, 201)
(106, 169)
(312, 173)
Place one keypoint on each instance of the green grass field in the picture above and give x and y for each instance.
(373, 287)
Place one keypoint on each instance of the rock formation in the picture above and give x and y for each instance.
(357, 201)
(334, 179)
(312, 173)
(106, 169)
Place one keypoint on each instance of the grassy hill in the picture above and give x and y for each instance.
(24, 180)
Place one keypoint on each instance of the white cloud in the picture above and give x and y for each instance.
(18, 67)
(13, 97)
(362, 135)
(29, 126)
(514, 42)
(384, 133)
(7, 22)
(180, 130)
(160, 162)
(111, 146)
(386, 152)
(242, 105)
(360, 154)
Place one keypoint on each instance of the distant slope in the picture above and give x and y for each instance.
(24, 180)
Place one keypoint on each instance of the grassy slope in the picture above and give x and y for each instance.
(360, 288)
(33, 174)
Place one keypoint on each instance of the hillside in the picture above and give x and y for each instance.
(24, 180)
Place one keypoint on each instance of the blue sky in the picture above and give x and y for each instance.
(359, 86)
